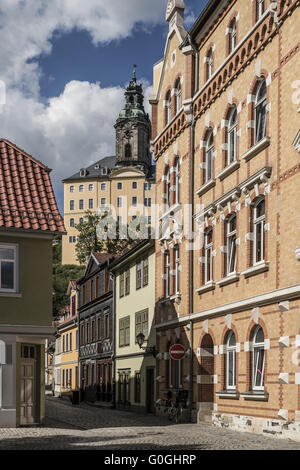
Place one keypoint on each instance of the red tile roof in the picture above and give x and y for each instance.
(27, 199)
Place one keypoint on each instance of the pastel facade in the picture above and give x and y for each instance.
(29, 219)
(233, 300)
(67, 374)
(135, 368)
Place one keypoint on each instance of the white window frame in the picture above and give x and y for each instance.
(177, 182)
(260, 8)
(233, 36)
(134, 185)
(231, 245)
(103, 187)
(91, 203)
(210, 64)
(81, 188)
(231, 350)
(232, 137)
(259, 221)
(72, 189)
(72, 203)
(15, 262)
(178, 93)
(121, 186)
(134, 201)
(169, 108)
(103, 204)
(257, 348)
(260, 110)
(208, 255)
(119, 201)
(177, 271)
(91, 187)
(168, 187)
(72, 222)
(209, 157)
(79, 204)
(167, 274)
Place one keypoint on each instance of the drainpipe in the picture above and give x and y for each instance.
(191, 262)
(113, 316)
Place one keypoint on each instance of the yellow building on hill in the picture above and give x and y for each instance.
(125, 182)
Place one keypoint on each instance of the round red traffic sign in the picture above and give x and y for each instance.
(177, 352)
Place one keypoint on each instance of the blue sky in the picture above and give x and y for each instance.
(65, 68)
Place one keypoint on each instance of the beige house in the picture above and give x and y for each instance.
(135, 367)
(126, 182)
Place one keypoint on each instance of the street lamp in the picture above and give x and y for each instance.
(140, 338)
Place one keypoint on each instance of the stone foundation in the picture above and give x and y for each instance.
(272, 427)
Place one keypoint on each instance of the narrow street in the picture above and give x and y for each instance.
(69, 427)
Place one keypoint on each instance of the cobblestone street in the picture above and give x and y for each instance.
(69, 427)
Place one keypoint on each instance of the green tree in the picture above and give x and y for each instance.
(61, 277)
(101, 233)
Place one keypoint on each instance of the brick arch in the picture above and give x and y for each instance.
(226, 331)
(210, 333)
(252, 326)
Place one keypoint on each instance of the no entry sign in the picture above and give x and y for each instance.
(177, 352)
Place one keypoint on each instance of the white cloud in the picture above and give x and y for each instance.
(75, 128)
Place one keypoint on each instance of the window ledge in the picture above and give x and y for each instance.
(228, 170)
(257, 269)
(228, 279)
(206, 288)
(231, 394)
(206, 187)
(253, 151)
(15, 295)
(255, 395)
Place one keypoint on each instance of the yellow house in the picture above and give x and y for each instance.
(67, 332)
(135, 367)
(125, 182)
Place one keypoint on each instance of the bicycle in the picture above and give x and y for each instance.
(175, 412)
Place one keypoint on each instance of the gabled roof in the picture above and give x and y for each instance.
(27, 199)
(94, 170)
(95, 261)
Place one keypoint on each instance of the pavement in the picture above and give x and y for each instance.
(70, 427)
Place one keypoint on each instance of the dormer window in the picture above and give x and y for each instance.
(83, 172)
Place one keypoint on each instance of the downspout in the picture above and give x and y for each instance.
(191, 263)
(113, 315)
(191, 252)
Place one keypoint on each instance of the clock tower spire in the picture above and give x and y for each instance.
(133, 129)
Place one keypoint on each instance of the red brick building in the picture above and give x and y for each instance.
(226, 144)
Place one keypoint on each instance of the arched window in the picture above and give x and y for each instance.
(230, 258)
(259, 219)
(258, 359)
(209, 64)
(260, 111)
(177, 270)
(260, 8)
(231, 361)
(127, 151)
(232, 136)
(208, 256)
(209, 155)
(168, 186)
(177, 96)
(232, 36)
(167, 274)
(168, 108)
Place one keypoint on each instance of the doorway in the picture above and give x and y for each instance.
(206, 372)
(150, 390)
(28, 385)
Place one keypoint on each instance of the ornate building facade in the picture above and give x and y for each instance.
(224, 126)
(125, 182)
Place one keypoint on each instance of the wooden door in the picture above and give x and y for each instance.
(28, 385)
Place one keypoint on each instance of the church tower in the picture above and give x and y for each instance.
(133, 130)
